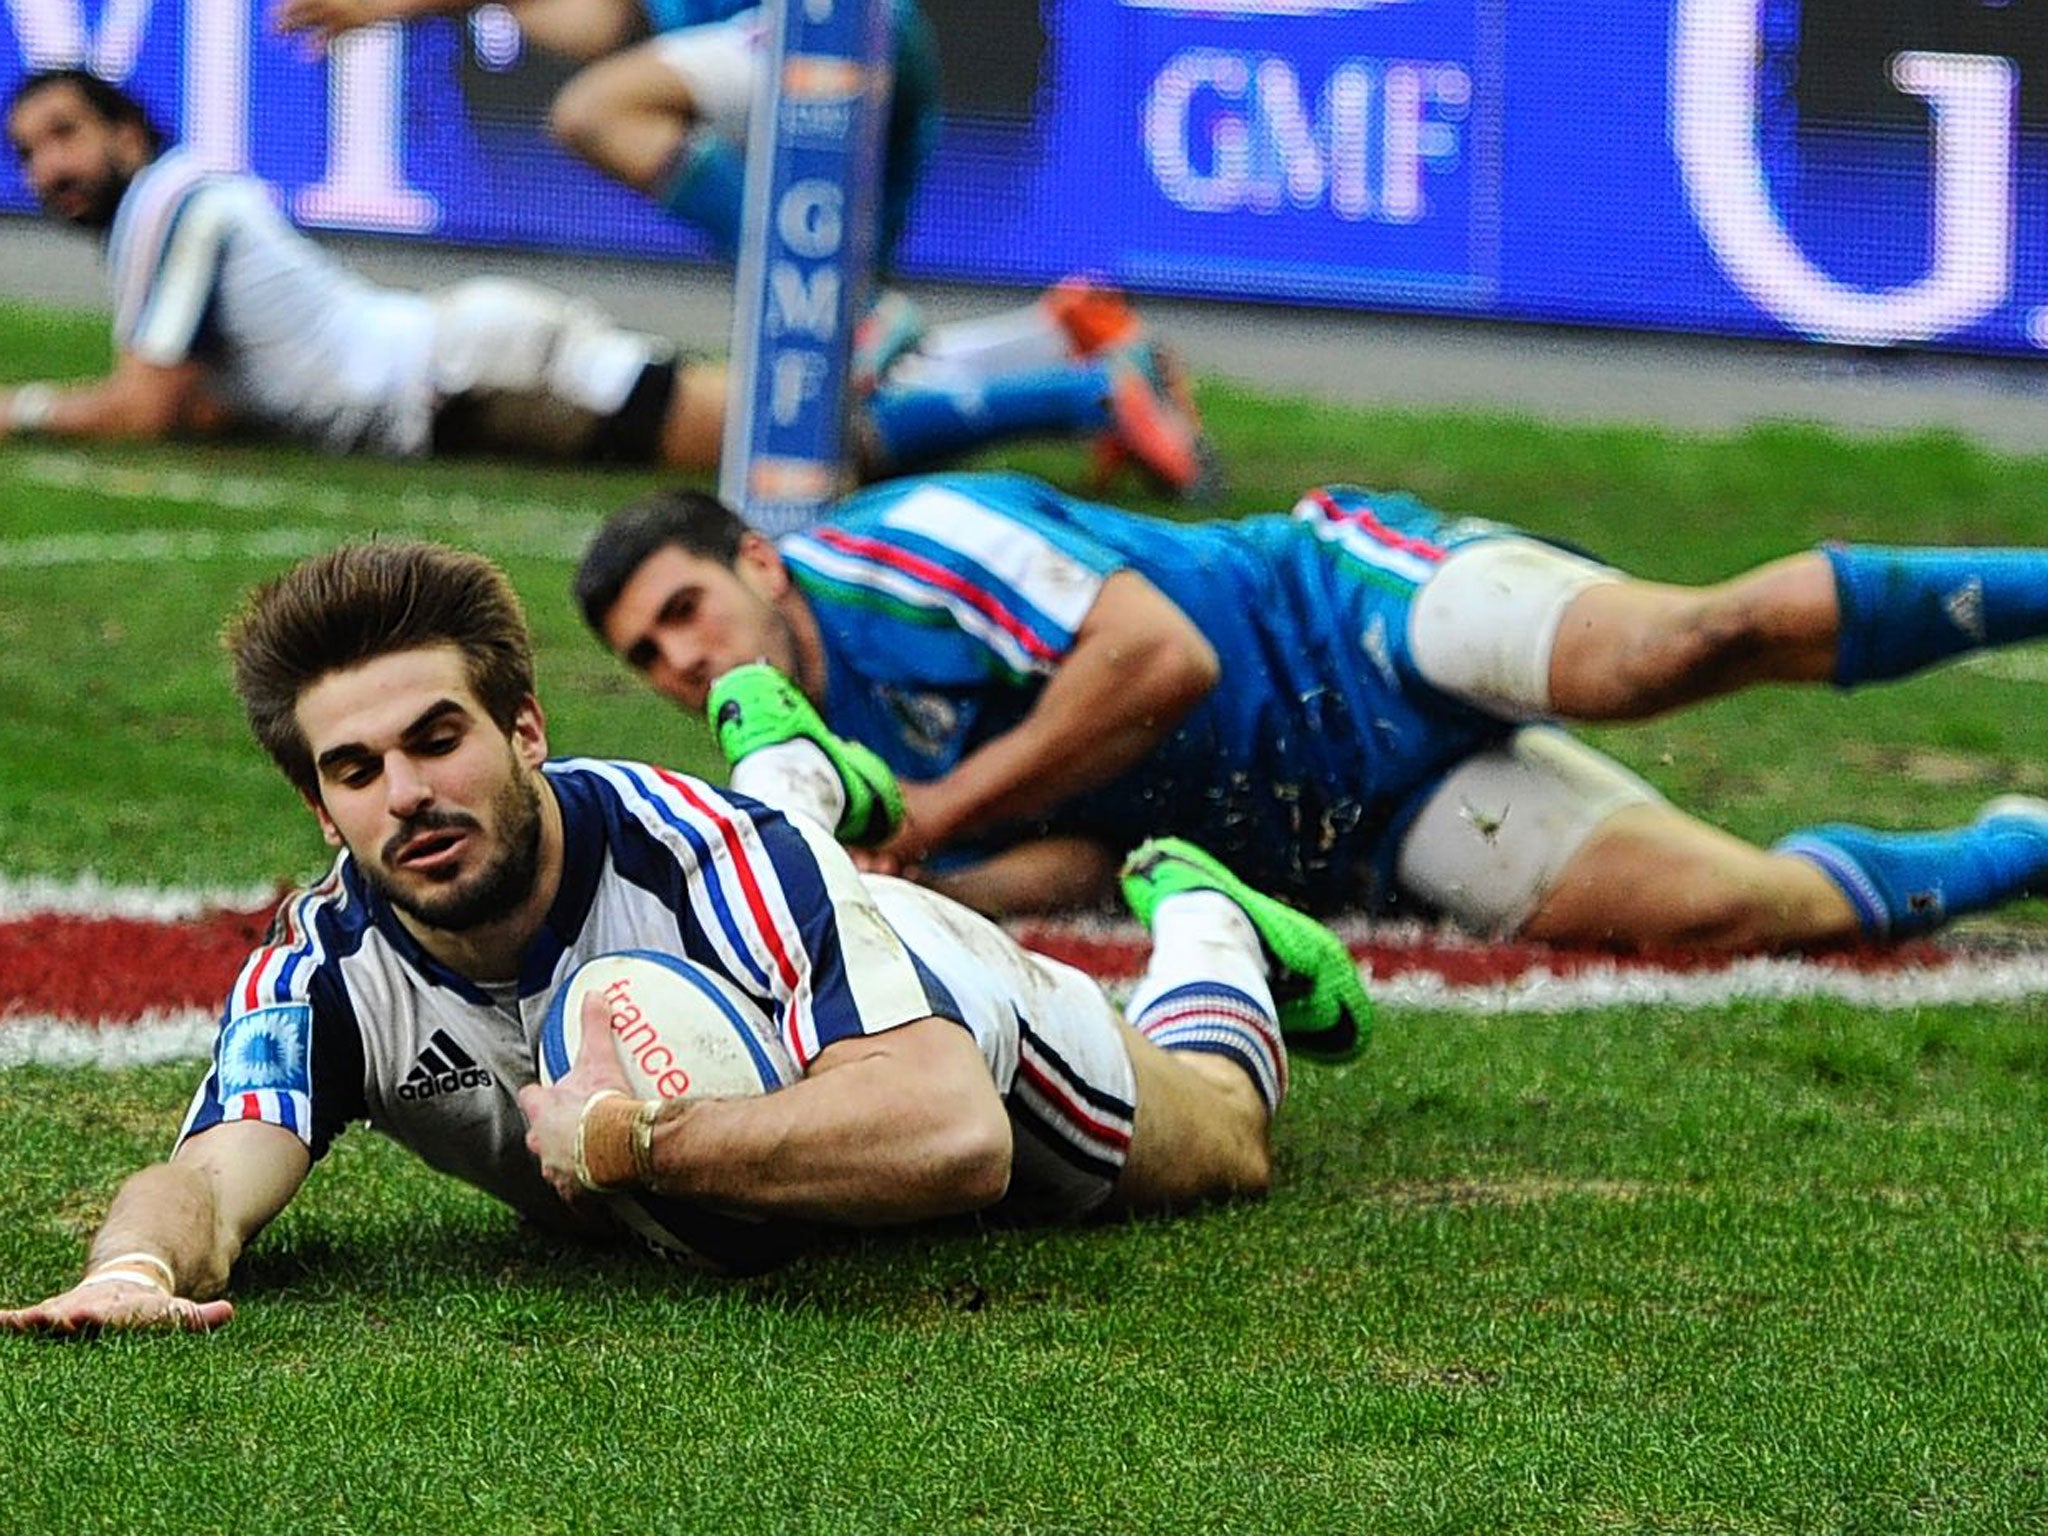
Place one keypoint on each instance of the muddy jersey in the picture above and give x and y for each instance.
(946, 602)
(203, 267)
(341, 1016)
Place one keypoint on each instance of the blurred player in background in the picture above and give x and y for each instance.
(1344, 704)
(944, 1068)
(662, 104)
(225, 316)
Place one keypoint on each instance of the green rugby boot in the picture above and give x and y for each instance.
(1323, 1007)
(755, 706)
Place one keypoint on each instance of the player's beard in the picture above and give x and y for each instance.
(103, 196)
(485, 896)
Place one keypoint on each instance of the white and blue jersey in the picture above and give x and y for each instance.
(202, 267)
(340, 1016)
(945, 602)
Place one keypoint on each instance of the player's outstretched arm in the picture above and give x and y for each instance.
(893, 1127)
(1138, 665)
(174, 1231)
(137, 400)
(325, 20)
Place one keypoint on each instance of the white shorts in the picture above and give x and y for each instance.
(1492, 839)
(1054, 1044)
(534, 371)
(717, 63)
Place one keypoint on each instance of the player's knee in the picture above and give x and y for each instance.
(1701, 645)
(579, 115)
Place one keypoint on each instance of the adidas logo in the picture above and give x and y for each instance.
(443, 1067)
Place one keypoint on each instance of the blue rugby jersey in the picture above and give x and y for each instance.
(944, 603)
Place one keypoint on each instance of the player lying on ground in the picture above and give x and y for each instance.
(1339, 703)
(225, 315)
(945, 1070)
(663, 104)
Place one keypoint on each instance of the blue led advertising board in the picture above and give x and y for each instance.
(1871, 172)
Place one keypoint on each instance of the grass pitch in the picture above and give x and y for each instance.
(1773, 1267)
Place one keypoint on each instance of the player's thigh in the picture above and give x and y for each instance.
(580, 29)
(1200, 1133)
(1651, 875)
(1483, 626)
(1497, 833)
(517, 367)
(710, 70)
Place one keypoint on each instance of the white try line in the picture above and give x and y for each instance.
(1425, 968)
(544, 529)
(184, 1034)
(90, 896)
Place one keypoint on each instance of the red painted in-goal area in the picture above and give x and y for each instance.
(98, 970)
(110, 970)
(1117, 952)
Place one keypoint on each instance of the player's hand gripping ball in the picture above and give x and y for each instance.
(680, 1030)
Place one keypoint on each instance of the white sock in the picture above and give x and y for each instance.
(990, 346)
(1203, 936)
(797, 778)
(1206, 991)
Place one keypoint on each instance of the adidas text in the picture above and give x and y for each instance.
(426, 1085)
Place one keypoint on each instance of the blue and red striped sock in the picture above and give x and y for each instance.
(1218, 1020)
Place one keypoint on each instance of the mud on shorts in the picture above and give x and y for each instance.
(518, 368)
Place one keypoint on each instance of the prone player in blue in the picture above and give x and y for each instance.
(1354, 704)
(662, 104)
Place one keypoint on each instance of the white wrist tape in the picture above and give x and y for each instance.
(30, 408)
(116, 1276)
(144, 1258)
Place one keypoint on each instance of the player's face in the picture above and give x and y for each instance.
(439, 807)
(684, 621)
(75, 161)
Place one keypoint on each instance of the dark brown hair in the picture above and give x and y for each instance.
(362, 601)
(114, 106)
(695, 522)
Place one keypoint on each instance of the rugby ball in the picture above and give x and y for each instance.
(680, 1030)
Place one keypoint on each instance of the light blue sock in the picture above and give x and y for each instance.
(706, 186)
(1907, 883)
(918, 424)
(1904, 609)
